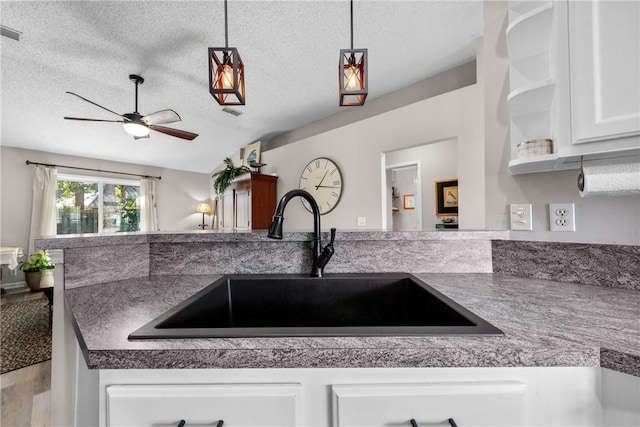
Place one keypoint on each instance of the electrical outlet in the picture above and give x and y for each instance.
(521, 217)
(362, 221)
(562, 217)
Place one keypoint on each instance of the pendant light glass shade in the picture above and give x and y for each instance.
(226, 76)
(353, 77)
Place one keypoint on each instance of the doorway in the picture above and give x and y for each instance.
(404, 189)
(433, 161)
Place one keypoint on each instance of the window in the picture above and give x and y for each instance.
(97, 205)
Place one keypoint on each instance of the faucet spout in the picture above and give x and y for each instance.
(275, 228)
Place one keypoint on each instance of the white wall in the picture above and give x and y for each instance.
(438, 162)
(177, 193)
(357, 149)
(598, 220)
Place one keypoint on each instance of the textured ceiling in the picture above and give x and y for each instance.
(290, 50)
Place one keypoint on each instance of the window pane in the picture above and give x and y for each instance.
(121, 210)
(77, 206)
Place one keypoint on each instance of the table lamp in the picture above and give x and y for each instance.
(203, 208)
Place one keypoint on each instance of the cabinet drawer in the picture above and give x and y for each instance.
(482, 403)
(163, 405)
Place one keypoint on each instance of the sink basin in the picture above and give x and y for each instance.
(377, 304)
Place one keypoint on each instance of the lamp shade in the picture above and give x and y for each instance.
(226, 76)
(203, 208)
(353, 77)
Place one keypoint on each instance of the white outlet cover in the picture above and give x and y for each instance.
(520, 217)
(362, 221)
(562, 217)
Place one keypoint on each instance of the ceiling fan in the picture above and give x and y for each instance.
(136, 124)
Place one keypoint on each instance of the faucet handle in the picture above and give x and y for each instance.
(333, 237)
(327, 252)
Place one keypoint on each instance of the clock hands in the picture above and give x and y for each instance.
(325, 186)
(319, 184)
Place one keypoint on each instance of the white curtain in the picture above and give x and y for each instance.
(43, 207)
(148, 211)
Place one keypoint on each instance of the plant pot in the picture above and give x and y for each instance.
(33, 279)
(46, 278)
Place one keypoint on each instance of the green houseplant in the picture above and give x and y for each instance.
(227, 175)
(37, 268)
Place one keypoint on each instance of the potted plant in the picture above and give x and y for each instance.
(227, 175)
(38, 270)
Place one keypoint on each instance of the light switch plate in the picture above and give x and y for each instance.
(521, 217)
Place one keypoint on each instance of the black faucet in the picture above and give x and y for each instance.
(320, 257)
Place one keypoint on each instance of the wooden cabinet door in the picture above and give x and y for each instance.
(604, 39)
(237, 405)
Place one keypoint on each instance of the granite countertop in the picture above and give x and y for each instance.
(68, 241)
(546, 323)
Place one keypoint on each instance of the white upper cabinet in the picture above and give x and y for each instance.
(604, 46)
(574, 76)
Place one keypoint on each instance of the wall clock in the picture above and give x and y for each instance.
(323, 180)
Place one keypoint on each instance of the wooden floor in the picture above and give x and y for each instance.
(25, 393)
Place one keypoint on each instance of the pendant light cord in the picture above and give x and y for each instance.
(226, 28)
(351, 24)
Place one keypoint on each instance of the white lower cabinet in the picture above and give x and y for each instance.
(355, 397)
(241, 405)
(485, 403)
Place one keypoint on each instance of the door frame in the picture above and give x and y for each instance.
(386, 203)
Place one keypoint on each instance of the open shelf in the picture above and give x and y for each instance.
(530, 34)
(531, 99)
(542, 163)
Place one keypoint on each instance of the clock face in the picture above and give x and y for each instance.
(322, 179)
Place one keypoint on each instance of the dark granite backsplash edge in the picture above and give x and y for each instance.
(613, 266)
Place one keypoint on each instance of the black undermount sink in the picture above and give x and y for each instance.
(380, 304)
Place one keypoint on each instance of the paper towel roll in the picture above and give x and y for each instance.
(610, 180)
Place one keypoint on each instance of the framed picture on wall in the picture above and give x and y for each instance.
(446, 197)
(409, 201)
(251, 153)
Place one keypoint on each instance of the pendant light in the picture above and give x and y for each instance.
(226, 71)
(352, 74)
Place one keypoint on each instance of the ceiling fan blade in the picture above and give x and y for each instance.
(174, 132)
(94, 120)
(159, 117)
(97, 105)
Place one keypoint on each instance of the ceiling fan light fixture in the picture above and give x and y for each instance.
(226, 71)
(135, 127)
(353, 74)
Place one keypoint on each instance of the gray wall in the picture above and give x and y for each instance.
(598, 220)
(357, 149)
(177, 193)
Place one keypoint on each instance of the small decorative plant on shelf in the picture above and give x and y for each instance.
(38, 270)
(227, 175)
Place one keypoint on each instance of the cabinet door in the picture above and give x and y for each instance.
(199, 405)
(485, 403)
(243, 209)
(227, 210)
(604, 38)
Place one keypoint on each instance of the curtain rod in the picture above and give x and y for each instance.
(92, 170)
